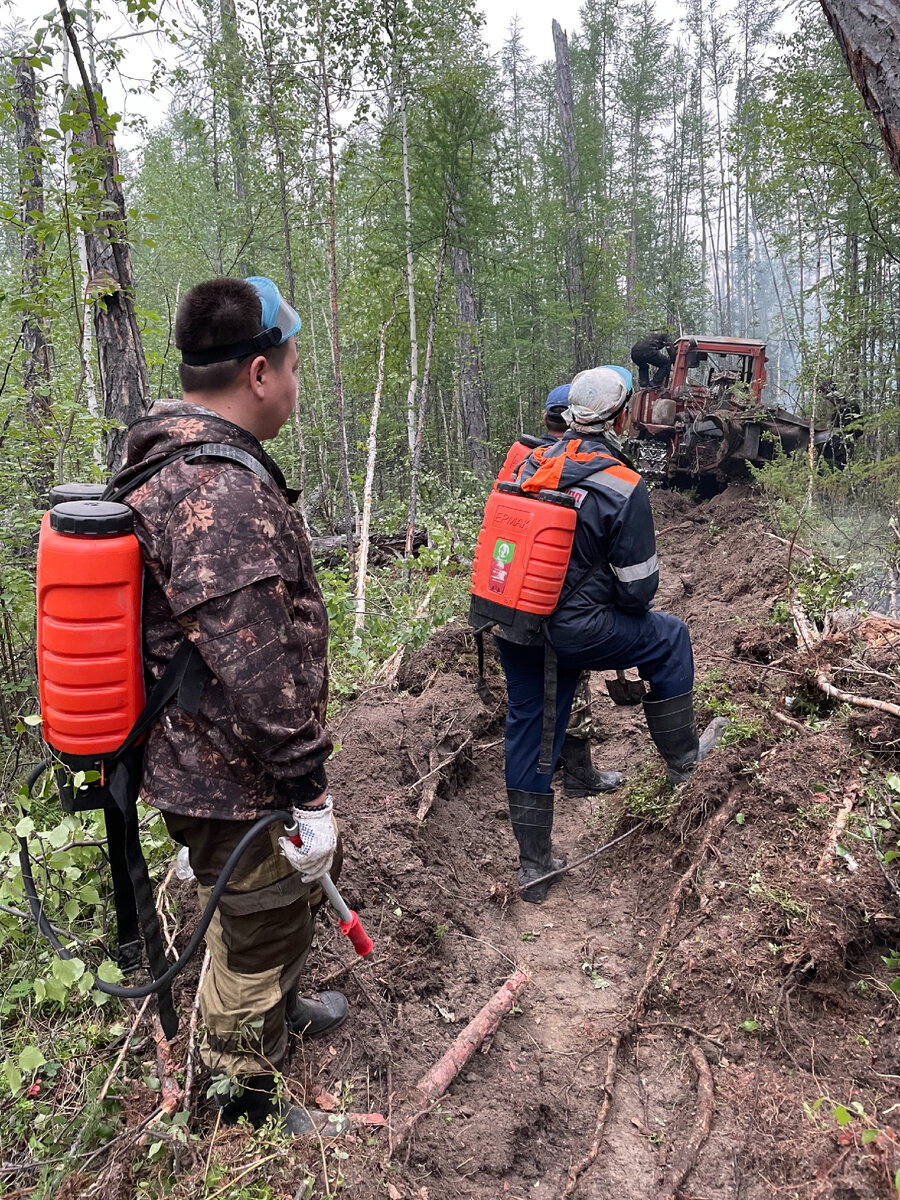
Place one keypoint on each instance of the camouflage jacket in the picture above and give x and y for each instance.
(228, 565)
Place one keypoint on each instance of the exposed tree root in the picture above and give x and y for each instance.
(807, 638)
(885, 706)
(790, 722)
(655, 962)
(435, 1082)
(690, 1147)
(170, 1090)
(840, 823)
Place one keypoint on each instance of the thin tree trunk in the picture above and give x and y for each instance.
(410, 283)
(80, 290)
(36, 376)
(335, 335)
(471, 377)
(234, 93)
(279, 158)
(583, 324)
(123, 369)
(359, 619)
(423, 390)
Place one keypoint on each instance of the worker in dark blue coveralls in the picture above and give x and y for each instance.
(579, 775)
(607, 624)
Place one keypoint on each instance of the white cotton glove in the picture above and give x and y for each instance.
(318, 840)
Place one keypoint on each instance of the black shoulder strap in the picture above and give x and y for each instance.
(190, 454)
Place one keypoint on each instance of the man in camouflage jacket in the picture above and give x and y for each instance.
(228, 566)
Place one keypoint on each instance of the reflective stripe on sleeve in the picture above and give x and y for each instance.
(637, 571)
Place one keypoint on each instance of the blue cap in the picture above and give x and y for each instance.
(624, 372)
(276, 312)
(558, 398)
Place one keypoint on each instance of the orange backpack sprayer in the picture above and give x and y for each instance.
(89, 576)
(518, 573)
(95, 714)
(521, 560)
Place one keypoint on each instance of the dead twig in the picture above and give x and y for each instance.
(435, 1082)
(121, 1055)
(579, 862)
(192, 1037)
(447, 761)
(686, 1158)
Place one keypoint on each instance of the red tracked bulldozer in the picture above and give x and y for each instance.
(709, 419)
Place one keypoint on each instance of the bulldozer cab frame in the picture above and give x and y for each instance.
(709, 417)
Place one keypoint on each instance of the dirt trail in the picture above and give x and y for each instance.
(774, 969)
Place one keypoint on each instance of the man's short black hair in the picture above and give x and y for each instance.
(217, 313)
(554, 422)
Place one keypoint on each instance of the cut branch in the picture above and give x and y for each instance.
(435, 1082)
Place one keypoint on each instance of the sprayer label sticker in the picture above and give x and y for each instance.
(504, 552)
(579, 494)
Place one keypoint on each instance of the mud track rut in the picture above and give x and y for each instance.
(755, 938)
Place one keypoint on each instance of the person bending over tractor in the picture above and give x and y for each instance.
(655, 350)
(228, 566)
(603, 620)
(580, 777)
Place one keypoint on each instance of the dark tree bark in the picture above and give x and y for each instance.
(423, 387)
(36, 375)
(868, 33)
(471, 376)
(120, 351)
(583, 323)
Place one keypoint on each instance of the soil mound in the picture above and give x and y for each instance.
(771, 970)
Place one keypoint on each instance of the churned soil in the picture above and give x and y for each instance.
(773, 970)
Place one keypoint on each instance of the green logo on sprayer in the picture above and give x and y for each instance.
(504, 553)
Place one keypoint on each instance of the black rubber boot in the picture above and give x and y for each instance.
(531, 817)
(258, 1103)
(312, 1018)
(673, 728)
(580, 778)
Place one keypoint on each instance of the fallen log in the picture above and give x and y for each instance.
(383, 547)
(435, 1082)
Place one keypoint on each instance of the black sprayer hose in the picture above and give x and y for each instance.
(156, 985)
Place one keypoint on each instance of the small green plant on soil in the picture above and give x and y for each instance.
(594, 975)
(713, 697)
(649, 795)
(778, 897)
(852, 1117)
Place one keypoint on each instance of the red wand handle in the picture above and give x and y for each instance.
(351, 926)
